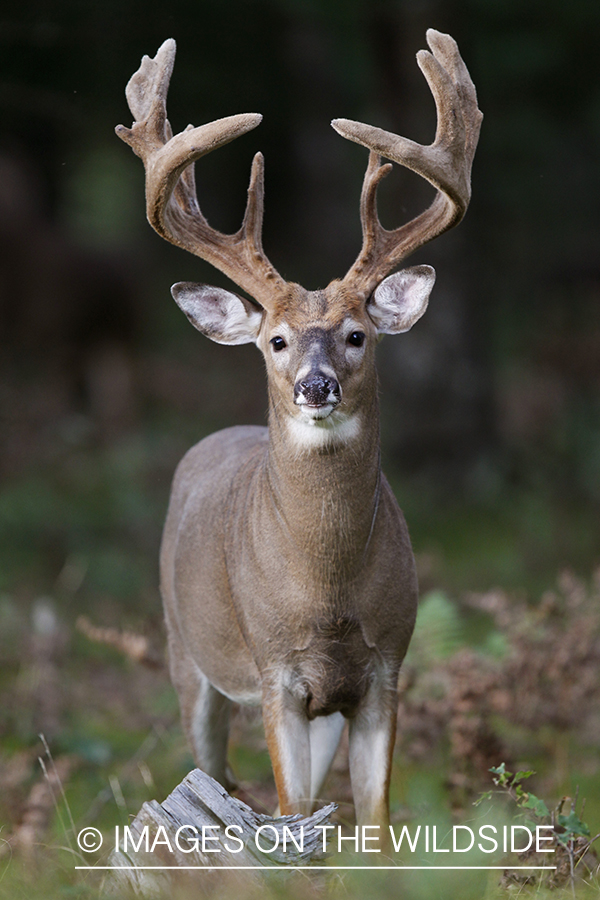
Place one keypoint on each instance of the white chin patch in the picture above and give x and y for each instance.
(325, 427)
(314, 414)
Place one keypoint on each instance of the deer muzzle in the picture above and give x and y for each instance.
(317, 393)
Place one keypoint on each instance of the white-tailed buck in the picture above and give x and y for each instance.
(287, 573)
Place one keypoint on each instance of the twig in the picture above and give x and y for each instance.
(38, 809)
(136, 646)
(569, 849)
(585, 849)
(60, 785)
(54, 800)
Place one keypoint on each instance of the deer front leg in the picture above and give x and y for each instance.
(371, 737)
(288, 739)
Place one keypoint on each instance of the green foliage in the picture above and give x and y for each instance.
(573, 827)
(575, 862)
(439, 630)
(513, 784)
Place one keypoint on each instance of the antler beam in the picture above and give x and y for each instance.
(171, 201)
(446, 164)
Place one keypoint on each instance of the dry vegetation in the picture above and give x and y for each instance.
(538, 671)
(513, 694)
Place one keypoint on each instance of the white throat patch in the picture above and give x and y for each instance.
(337, 428)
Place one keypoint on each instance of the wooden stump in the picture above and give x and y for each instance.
(204, 836)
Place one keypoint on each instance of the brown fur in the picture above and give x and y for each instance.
(287, 574)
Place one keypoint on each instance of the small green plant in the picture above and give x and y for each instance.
(574, 857)
(512, 784)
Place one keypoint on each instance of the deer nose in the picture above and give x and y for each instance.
(316, 389)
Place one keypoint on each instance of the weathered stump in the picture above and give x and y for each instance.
(202, 835)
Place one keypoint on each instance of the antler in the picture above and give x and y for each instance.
(171, 201)
(446, 164)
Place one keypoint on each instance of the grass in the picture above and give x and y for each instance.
(80, 533)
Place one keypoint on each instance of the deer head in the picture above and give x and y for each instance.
(318, 345)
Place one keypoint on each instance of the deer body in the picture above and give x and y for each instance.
(287, 573)
(312, 523)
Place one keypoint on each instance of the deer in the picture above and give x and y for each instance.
(286, 568)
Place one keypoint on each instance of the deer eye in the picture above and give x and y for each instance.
(278, 344)
(356, 338)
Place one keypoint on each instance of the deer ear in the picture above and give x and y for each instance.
(401, 299)
(220, 315)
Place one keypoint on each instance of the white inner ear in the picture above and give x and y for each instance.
(401, 299)
(220, 315)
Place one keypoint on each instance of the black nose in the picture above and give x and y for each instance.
(316, 388)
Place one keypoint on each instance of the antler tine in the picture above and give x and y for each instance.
(446, 164)
(368, 198)
(251, 229)
(171, 202)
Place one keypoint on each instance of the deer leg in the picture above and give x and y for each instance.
(371, 737)
(208, 731)
(288, 739)
(325, 733)
(204, 714)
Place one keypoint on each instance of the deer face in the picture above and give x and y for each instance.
(318, 357)
(319, 346)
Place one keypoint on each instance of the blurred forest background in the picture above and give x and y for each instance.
(490, 406)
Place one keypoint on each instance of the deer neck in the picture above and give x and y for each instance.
(325, 492)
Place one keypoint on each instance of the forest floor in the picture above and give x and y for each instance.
(503, 668)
